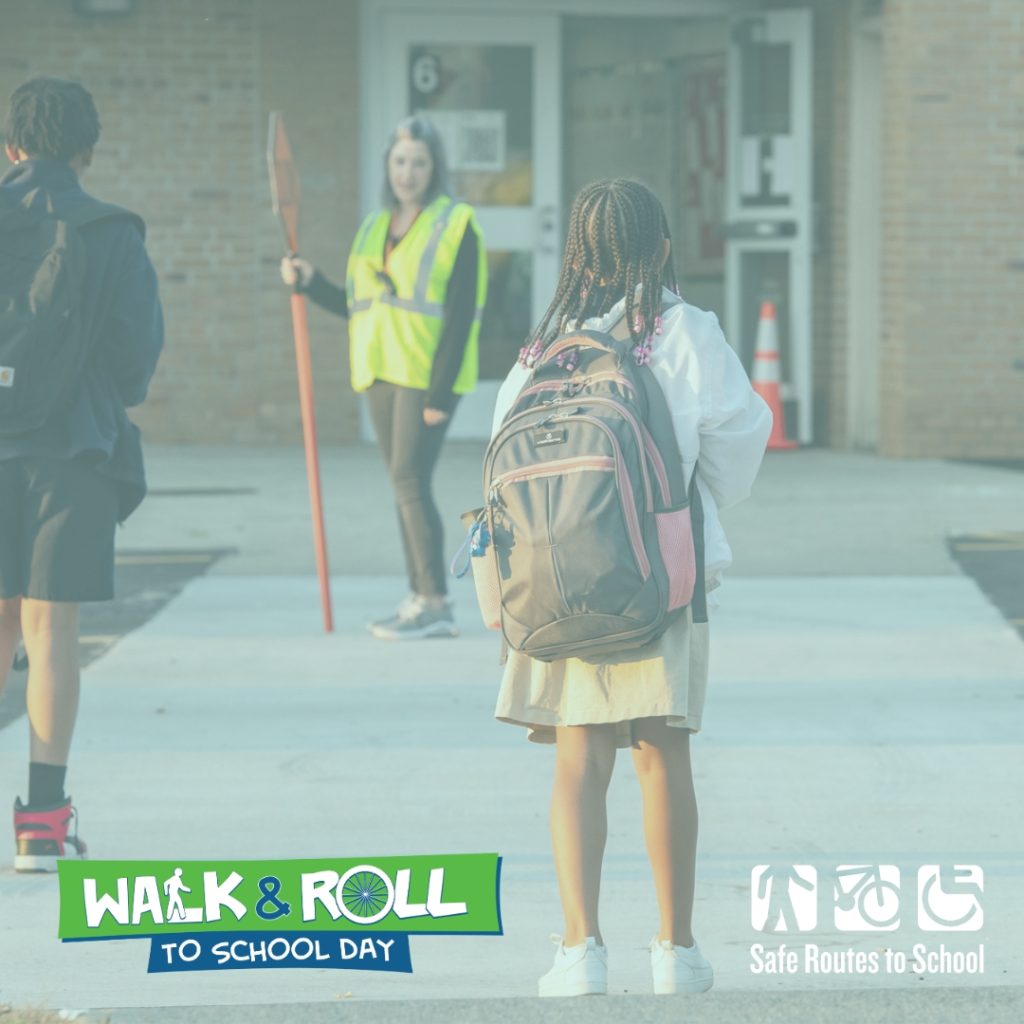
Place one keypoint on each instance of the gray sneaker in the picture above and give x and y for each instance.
(409, 605)
(415, 620)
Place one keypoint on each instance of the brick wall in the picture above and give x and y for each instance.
(183, 91)
(953, 229)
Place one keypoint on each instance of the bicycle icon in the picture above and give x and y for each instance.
(872, 902)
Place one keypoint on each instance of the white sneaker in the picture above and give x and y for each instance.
(577, 971)
(678, 969)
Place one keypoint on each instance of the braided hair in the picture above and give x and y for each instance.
(613, 246)
(52, 118)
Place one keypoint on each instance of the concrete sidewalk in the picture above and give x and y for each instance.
(865, 707)
(813, 512)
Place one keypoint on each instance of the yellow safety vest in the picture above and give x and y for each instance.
(394, 333)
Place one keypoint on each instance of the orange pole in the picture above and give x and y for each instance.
(304, 367)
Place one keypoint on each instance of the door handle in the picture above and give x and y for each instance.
(760, 229)
(547, 229)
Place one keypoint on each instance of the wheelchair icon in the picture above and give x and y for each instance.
(944, 891)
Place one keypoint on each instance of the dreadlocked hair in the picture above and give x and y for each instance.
(52, 118)
(613, 248)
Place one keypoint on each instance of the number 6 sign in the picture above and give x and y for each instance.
(426, 73)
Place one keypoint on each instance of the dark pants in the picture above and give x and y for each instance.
(410, 449)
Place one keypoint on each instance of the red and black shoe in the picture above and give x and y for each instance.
(41, 834)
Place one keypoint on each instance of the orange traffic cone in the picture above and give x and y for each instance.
(766, 375)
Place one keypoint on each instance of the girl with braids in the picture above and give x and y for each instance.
(617, 278)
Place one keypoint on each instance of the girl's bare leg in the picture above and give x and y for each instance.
(584, 760)
(661, 755)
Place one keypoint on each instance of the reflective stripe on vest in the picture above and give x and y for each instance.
(396, 309)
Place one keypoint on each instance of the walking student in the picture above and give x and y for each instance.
(617, 279)
(414, 294)
(81, 329)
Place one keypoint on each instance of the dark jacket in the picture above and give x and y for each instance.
(124, 327)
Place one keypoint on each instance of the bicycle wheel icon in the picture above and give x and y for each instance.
(873, 901)
(365, 894)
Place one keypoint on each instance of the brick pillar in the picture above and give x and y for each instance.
(952, 380)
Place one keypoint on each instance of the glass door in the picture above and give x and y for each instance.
(495, 96)
(768, 204)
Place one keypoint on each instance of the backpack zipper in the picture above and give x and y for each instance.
(557, 467)
(644, 435)
(659, 466)
(605, 462)
(625, 491)
(641, 431)
(552, 385)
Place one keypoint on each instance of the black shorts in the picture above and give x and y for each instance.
(57, 521)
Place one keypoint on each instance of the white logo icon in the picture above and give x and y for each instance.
(867, 897)
(176, 910)
(784, 898)
(949, 898)
(6, 376)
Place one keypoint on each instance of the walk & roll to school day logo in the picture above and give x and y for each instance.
(328, 913)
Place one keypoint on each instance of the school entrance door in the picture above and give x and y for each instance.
(495, 97)
(706, 100)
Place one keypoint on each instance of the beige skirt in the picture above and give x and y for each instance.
(666, 678)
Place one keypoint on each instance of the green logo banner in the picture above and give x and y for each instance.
(422, 895)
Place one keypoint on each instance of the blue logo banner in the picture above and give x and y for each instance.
(207, 951)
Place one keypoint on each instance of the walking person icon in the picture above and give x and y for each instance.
(784, 897)
(173, 888)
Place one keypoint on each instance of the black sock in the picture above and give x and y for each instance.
(45, 783)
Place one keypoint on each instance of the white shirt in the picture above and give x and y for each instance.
(717, 416)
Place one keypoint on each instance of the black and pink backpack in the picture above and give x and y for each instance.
(589, 541)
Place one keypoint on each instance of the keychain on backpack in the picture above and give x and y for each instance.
(475, 545)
